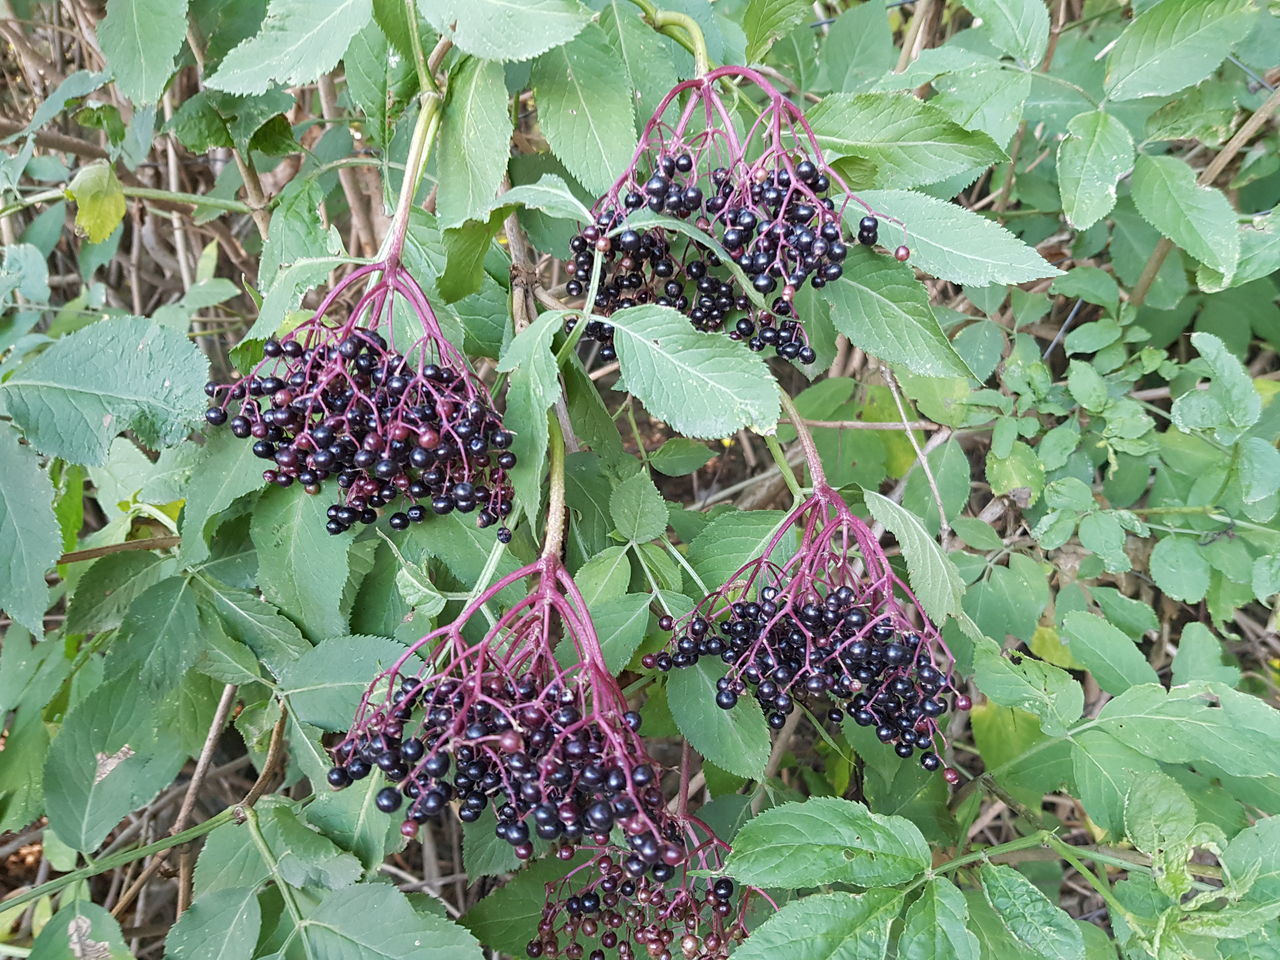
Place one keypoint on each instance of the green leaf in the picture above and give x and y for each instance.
(680, 456)
(107, 759)
(933, 576)
(475, 139)
(375, 921)
(159, 640)
(1020, 471)
(221, 926)
(976, 533)
(734, 539)
(585, 108)
(1103, 768)
(1018, 27)
(858, 48)
(1107, 653)
(79, 931)
(305, 858)
(297, 231)
(1179, 568)
(735, 740)
(301, 568)
(1199, 657)
(827, 840)
(378, 83)
(299, 40)
(827, 926)
(122, 373)
(638, 510)
(352, 819)
(140, 38)
(620, 624)
(1095, 154)
(1198, 219)
(1230, 406)
(99, 200)
(1030, 685)
(1239, 736)
(1257, 849)
(325, 685)
(1044, 931)
(882, 308)
(766, 21)
(1174, 44)
(30, 542)
(906, 141)
(506, 29)
(503, 920)
(225, 470)
(255, 623)
(702, 384)
(955, 244)
(935, 926)
(644, 52)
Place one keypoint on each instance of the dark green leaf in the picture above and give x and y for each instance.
(1106, 652)
(735, 740)
(502, 30)
(638, 510)
(79, 931)
(935, 926)
(475, 139)
(29, 537)
(828, 926)
(221, 926)
(326, 683)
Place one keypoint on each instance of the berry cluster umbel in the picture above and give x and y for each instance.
(762, 222)
(601, 909)
(825, 625)
(554, 749)
(334, 400)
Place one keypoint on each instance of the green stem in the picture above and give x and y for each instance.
(122, 858)
(554, 538)
(425, 81)
(1068, 853)
(780, 458)
(424, 132)
(816, 473)
(141, 193)
(273, 866)
(680, 559)
(1031, 840)
(673, 24)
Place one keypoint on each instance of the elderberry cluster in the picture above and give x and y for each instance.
(696, 919)
(550, 771)
(382, 424)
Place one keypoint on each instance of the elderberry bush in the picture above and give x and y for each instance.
(759, 201)
(501, 721)
(826, 626)
(335, 401)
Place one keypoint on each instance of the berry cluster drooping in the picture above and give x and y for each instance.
(761, 198)
(826, 624)
(554, 749)
(334, 399)
(603, 908)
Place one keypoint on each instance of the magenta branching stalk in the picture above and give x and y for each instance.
(336, 398)
(669, 913)
(832, 621)
(761, 194)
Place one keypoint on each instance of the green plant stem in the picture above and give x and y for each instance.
(141, 193)
(1068, 853)
(780, 458)
(807, 444)
(679, 558)
(553, 540)
(273, 866)
(124, 857)
(673, 24)
(1030, 841)
(425, 80)
(424, 133)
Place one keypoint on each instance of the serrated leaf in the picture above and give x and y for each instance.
(733, 539)
(680, 456)
(225, 470)
(934, 578)
(638, 510)
(81, 931)
(645, 53)
(475, 139)
(1103, 769)
(99, 200)
(702, 384)
(1018, 27)
(301, 568)
(735, 740)
(1198, 219)
(827, 926)
(379, 84)
(30, 542)
(1199, 657)
(107, 759)
(935, 926)
(140, 38)
(221, 926)
(1095, 154)
(274, 639)
(506, 29)
(1107, 653)
(298, 41)
(955, 244)
(1174, 44)
(1031, 685)
(375, 921)
(159, 639)
(908, 141)
(881, 307)
(122, 373)
(324, 686)
(766, 21)
(504, 918)
(585, 108)
(827, 840)
(1043, 930)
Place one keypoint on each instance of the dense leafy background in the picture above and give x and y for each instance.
(1083, 479)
